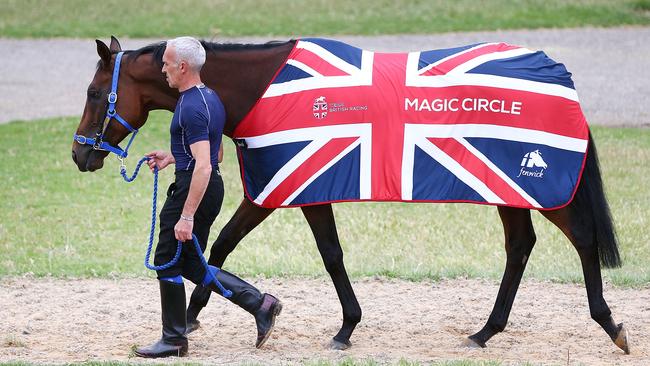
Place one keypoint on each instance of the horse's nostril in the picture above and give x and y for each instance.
(74, 157)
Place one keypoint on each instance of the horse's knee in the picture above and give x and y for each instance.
(519, 248)
(222, 247)
(226, 245)
(333, 259)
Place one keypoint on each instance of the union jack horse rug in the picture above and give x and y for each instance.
(487, 123)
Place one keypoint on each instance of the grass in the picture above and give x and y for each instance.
(218, 18)
(57, 221)
(12, 341)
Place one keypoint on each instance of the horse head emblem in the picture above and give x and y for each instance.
(534, 159)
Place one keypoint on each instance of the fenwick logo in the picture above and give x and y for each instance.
(532, 160)
(320, 107)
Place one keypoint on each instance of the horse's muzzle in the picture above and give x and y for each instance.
(87, 159)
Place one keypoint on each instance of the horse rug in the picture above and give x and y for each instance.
(487, 123)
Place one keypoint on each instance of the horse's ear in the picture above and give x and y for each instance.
(103, 52)
(115, 45)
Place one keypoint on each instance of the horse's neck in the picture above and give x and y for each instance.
(241, 76)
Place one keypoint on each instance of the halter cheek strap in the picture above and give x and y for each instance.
(98, 142)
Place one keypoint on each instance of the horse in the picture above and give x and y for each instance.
(239, 73)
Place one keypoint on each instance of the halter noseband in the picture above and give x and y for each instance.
(98, 142)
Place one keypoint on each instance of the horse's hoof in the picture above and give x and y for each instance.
(192, 326)
(473, 343)
(339, 346)
(622, 339)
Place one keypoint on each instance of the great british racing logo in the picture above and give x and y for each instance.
(531, 161)
(320, 107)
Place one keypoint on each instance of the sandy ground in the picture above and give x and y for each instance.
(57, 321)
(49, 77)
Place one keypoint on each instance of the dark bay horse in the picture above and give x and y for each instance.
(239, 74)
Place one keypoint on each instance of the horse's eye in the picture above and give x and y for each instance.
(93, 94)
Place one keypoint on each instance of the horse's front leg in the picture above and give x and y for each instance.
(243, 221)
(520, 239)
(321, 221)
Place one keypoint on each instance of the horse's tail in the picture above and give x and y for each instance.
(590, 205)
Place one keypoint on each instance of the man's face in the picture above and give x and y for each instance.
(171, 67)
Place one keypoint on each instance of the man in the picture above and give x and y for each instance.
(193, 202)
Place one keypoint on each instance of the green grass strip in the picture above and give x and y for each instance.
(55, 220)
(218, 18)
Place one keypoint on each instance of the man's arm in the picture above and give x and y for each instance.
(200, 178)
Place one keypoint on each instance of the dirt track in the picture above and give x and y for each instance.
(56, 321)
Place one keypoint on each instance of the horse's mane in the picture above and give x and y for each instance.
(157, 49)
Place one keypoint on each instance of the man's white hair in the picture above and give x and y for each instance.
(190, 50)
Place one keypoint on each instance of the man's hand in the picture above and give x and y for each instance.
(183, 230)
(160, 159)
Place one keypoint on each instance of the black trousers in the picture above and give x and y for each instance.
(189, 264)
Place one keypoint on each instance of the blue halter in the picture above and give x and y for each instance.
(98, 142)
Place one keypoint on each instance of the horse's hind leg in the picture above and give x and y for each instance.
(321, 221)
(519, 242)
(581, 236)
(245, 219)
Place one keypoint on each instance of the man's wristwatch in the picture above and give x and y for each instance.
(187, 218)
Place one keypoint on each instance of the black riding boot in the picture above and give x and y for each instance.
(263, 307)
(173, 341)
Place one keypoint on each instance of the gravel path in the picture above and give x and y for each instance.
(611, 68)
(57, 321)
